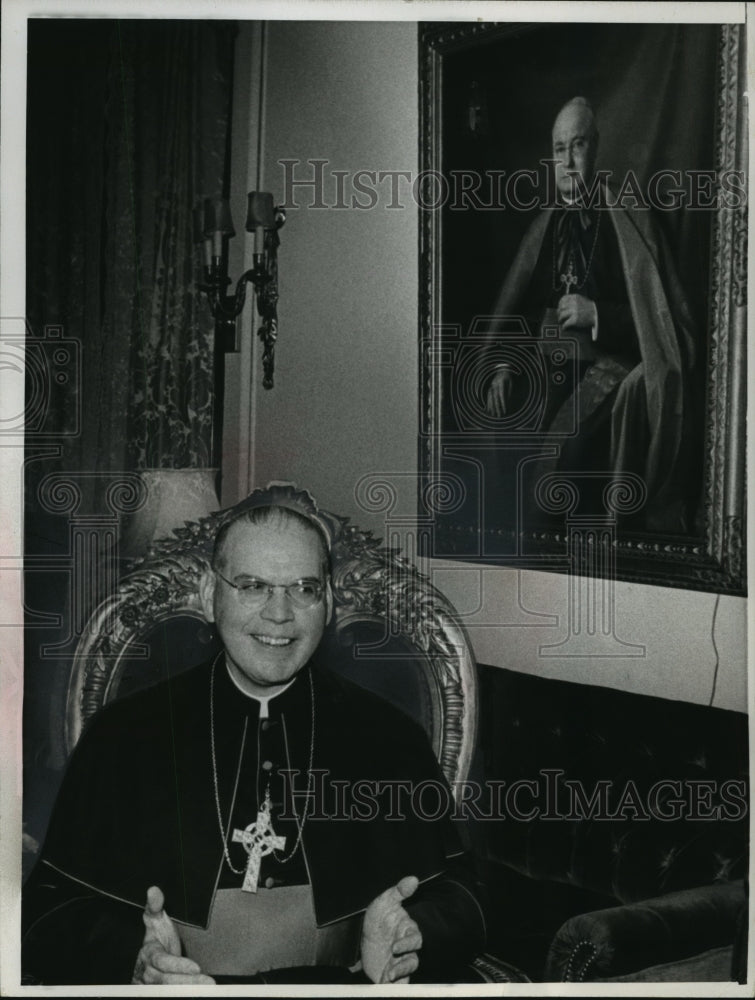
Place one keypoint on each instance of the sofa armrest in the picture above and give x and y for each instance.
(625, 939)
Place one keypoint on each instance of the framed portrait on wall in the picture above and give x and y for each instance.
(583, 222)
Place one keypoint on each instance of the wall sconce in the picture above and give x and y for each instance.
(213, 227)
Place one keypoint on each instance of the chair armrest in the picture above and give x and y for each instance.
(625, 939)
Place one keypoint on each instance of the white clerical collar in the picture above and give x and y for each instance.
(264, 700)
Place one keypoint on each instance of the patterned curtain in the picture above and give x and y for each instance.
(176, 85)
(128, 125)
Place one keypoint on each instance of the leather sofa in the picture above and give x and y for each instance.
(623, 842)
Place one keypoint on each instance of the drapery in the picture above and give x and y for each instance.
(128, 126)
(177, 80)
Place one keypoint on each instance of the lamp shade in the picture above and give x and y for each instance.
(217, 217)
(174, 496)
(260, 211)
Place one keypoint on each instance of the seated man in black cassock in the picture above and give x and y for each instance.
(184, 847)
(601, 276)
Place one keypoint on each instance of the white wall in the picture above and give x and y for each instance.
(345, 404)
(345, 398)
(667, 642)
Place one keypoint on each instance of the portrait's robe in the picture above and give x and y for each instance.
(643, 367)
(137, 808)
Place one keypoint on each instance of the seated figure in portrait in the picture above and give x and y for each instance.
(600, 275)
(198, 837)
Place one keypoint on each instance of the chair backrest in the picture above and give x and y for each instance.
(393, 632)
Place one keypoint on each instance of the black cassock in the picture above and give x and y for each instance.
(138, 807)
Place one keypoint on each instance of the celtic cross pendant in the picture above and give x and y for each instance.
(258, 839)
(570, 278)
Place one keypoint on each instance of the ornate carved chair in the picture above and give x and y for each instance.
(392, 632)
(386, 612)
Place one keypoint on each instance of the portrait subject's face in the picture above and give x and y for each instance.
(574, 149)
(268, 643)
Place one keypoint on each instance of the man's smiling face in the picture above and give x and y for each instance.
(266, 645)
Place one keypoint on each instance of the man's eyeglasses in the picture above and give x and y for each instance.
(253, 592)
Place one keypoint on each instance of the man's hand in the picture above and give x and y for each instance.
(577, 311)
(499, 393)
(390, 938)
(159, 960)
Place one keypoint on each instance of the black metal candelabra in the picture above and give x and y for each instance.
(213, 227)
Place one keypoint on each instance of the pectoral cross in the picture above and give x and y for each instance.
(570, 278)
(258, 839)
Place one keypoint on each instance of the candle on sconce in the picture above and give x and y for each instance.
(217, 223)
(212, 225)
